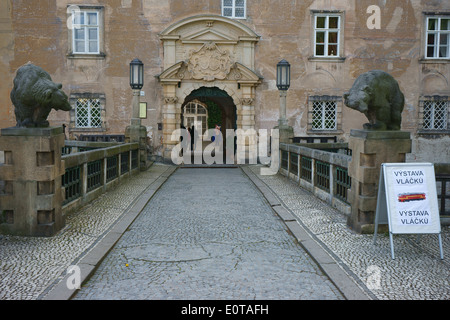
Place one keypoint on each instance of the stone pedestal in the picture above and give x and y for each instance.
(31, 195)
(286, 133)
(369, 150)
(138, 133)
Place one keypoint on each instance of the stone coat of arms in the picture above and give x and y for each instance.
(209, 63)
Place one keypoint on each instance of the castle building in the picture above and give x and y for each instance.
(209, 61)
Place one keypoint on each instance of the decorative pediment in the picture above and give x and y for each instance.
(209, 28)
(173, 74)
(242, 74)
(208, 35)
(237, 72)
(209, 48)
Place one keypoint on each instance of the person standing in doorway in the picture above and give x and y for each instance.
(217, 135)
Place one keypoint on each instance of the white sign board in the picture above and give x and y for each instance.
(407, 199)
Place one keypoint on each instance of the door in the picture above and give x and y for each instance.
(195, 114)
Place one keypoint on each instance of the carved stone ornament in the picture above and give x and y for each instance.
(247, 101)
(209, 63)
(170, 100)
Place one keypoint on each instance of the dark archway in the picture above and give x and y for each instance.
(219, 105)
(218, 97)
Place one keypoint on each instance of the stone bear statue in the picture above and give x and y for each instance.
(377, 95)
(34, 95)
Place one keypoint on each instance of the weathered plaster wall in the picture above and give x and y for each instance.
(6, 56)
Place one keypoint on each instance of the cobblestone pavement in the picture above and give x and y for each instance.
(31, 266)
(208, 234)
(416, 273)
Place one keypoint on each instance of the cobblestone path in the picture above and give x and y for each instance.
(208, 234)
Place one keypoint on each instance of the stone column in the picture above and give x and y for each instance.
(135, 132)
(246, 143)
(369, 150)
(286, 131)
(31, 199)
(170, 123)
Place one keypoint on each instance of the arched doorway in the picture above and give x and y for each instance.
(208, 107)
(220, 106)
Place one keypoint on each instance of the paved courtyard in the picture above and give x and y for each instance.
(208, 234)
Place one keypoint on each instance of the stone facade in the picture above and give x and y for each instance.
(189, 45)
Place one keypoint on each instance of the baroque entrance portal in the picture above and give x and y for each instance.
(206, 108)
(207, 52)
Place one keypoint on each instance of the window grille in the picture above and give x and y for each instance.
(343, 183)
(443, 188)
(66, 150)
(124, 162)
(94, 175)
(435, 115)
(72, 184)
(293, 164)
(323, 175)
(284, 159)
(438, 38)
(234, 8)
(111, 168)
(324, 115)
(306, 168)
(88, 113)
(134, 159)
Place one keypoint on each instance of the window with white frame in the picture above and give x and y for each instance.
(234, 9)
(88, 113)
(435, 114)
(195, 114)
(324, 115)
(327, 35)
(437, 37)
(85, 30)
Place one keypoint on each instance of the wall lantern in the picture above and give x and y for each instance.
(136, 74)
(283, 75)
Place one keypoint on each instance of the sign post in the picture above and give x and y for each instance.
(407, 201)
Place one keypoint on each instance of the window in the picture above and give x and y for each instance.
(85, 32)
(325, 114)
(85, 27)
(234, 9)
(195, 114)
(326, 35)
(88, 113)
(437, 38)
(435, 114)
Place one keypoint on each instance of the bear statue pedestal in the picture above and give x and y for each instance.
(31, 199)
(369, 150)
